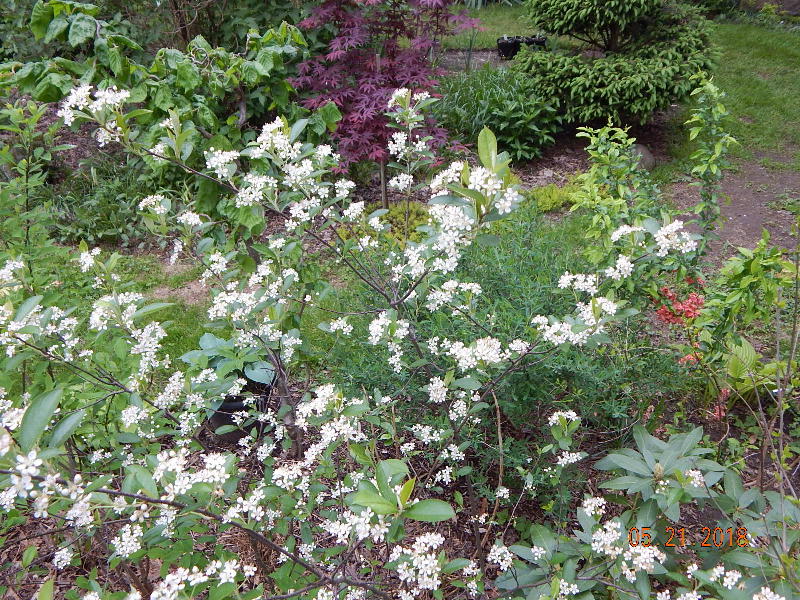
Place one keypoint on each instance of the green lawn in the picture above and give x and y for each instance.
(759, 68)
(497, 20)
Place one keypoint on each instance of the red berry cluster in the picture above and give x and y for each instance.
(676, 312)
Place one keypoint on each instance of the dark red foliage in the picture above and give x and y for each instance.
(352, 75)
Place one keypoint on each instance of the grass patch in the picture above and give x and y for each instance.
(758, 70)
(497, 20)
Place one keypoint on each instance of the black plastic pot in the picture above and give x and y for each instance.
(224, 414)
(509, 46)
(539, 41)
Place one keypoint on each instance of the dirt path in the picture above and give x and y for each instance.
(755, 198)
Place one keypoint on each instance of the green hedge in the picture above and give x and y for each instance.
(649, 74)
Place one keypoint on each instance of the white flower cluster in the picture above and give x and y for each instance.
(86, 259)
(695, 478)
(446, 294)
(7, 278)
(671, 237)
(622, 269)
(116, 309)
(401, 182)
(221, 162)
(174, 584)
(274, 141)
(580, 282)
(255, 188)
(342, 325)
(640, 558)
(594, 506)
(501, 556)
(624, 230)
(446, 177)
(729, 578)
(361, 526)
(419, 567)
(566, 415)
(79, 98)
(767, 594)
(568, 458)
(393, 332)
(604, 539)
(154, 203)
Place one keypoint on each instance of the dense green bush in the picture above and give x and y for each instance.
(640, 61)
(508, 102)
(100, 206)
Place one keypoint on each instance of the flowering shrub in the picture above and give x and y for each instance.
(330, 492)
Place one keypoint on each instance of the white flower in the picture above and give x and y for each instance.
(501, 556)
(622, 269)
(568, 458)
(502, 492)
(670, 237)
(190, 219)
(86, 259)
(767, 594)
(695, 478)
(221, 162)
(624, 230)
(594, 506)
(484, 181)
(730, 579)
(342, 325)
(154, 203)
(128, 540)
(401, 182)
(567, 415)
(62, 558)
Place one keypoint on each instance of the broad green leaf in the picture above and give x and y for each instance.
(376, 502)
(37, 418)
(144, 479)
(430, 511)
(83, 28)
(45, 591)
(65, 428)
(487, 148)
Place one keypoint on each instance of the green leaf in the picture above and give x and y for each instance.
(144, 479)
(56, 28)
(83, 28)
(376, 502)
(261, 371)
(488, 239)
(388, 474)
(455, 565)
(29, 555)
(187, 75)
(65, 428)
(430, 511)
(407, 490)
(37, 418)
(467, 383)
(634, 465)
(45, 591)
(487, 148)
(41, 15)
